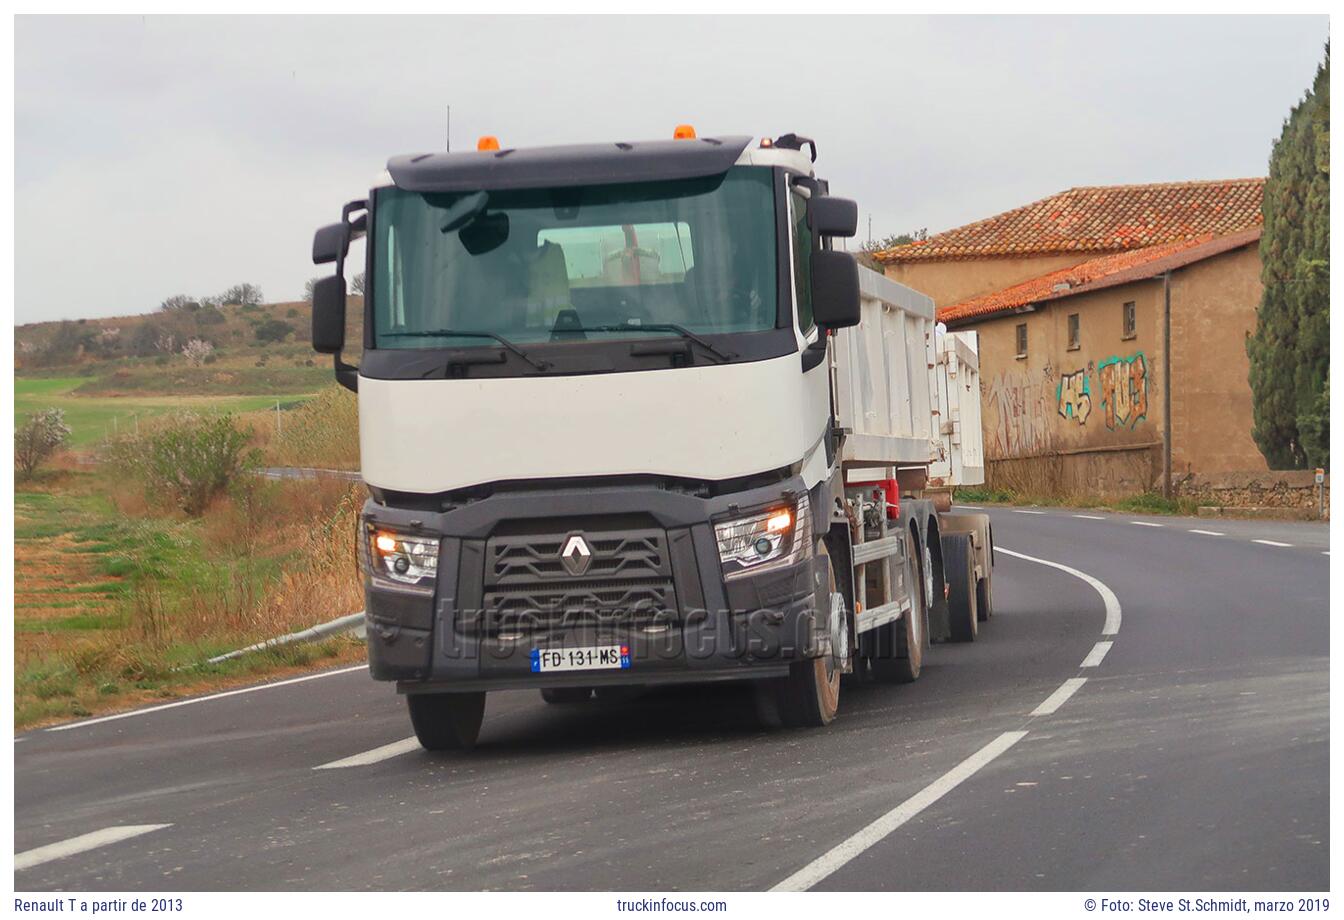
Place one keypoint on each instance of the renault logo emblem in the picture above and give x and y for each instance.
(576, 555)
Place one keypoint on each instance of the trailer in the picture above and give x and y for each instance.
(630, 415)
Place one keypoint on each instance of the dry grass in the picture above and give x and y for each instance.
(123, 608)
(323, 432)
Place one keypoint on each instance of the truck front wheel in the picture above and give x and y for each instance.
(446, 721)
(810, 695)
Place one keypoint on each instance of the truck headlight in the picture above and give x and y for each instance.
(769, 539)
(399, 557)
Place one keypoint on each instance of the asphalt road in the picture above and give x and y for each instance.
(1193, 755)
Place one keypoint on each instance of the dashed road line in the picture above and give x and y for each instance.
(1148, 523)
(1108, 597)
(205, 699)
(832, 860)
(82, 844)
(1061, 696)
(1325, 552)
(1207, 533)
(1098, 652)
(377, 755)
(1026, 511)
(1090, 517)
(1271, 543)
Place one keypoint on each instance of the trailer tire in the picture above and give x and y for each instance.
(959, 570)
(446, 721)
(562, 695)
(984, 598)
(810, 695)
(901, 644)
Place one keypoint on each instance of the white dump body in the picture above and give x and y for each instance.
(957, 374)
(907, 395)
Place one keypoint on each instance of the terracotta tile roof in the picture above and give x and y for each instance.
(1106, 218)
(1095, 274)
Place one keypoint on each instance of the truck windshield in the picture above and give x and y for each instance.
(577, 262)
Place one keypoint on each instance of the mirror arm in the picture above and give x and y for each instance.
(815, 353)
(347, 375)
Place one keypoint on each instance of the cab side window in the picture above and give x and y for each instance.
(802, 262)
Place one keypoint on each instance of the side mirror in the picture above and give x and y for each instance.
(330, 243)
(835, 289)
(329, 314)
(828, 216)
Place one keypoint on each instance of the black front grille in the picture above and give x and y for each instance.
(627, 582)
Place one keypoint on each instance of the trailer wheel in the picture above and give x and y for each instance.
(901, 644)
(446, 721)
(810, 695)
(560, 695)
(984, 599)
(959, 570)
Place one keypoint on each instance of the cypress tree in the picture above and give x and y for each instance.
(1290, 350)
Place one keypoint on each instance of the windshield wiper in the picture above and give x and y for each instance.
(465, 334)
(658, 327)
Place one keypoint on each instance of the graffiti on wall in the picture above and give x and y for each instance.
(1073, 396)
(1123, 383)
(1021, 416)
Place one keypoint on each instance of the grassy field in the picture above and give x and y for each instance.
(114, 609)
(93, 418)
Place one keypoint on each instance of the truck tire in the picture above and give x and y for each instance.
(901, 644)
(446, 721)
(810, 695)
(561, 695)
(959, 570)
(984, 598)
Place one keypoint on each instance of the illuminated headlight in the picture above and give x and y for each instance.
(402, 558)
(770, 539)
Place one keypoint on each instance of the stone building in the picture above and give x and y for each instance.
(1112, 328)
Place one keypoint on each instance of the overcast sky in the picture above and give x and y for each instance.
(164, 155)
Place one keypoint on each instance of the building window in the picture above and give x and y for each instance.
(1021, 340)
(1075, 337)
(1129, 322)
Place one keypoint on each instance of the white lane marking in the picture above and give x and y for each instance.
(204, 699)
(1059, 697)
(827, 863)
(970, 507)
(1208, 533)
(1094, 657)
(1107, 595)
(386, 752)
(1025, 511)
(1271, 543)
(82, 844)
(1147, 524)
(1323, 553)
(1090, 517)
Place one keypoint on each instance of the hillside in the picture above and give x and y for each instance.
(249, 350)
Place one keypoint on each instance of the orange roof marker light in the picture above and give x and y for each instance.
(683, 133)
(487, 142)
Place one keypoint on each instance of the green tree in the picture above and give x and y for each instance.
(868, 251)
(1290, 350)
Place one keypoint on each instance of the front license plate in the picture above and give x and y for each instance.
(592, 658)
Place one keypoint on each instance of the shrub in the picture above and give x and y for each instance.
(273, 330)
(196, 351)
(189, 459)
(40, 437)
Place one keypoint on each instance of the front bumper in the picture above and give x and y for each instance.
(655, 585)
